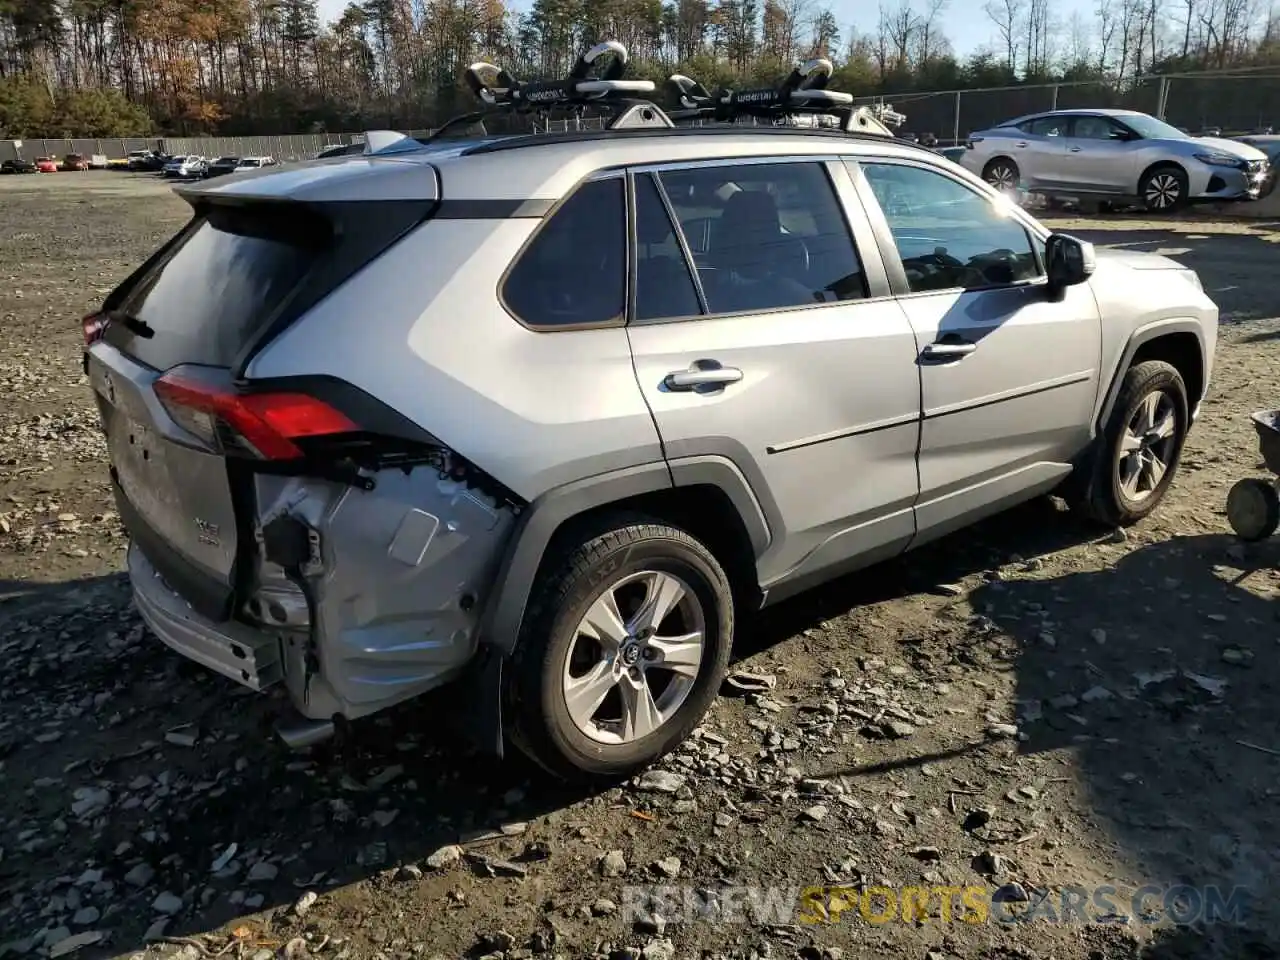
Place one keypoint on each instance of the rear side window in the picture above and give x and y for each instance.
(766, 236)
(573, 272)
(226, 277)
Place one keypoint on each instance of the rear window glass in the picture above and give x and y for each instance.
(206, 301)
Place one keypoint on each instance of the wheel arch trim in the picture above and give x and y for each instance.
(1138, 339)
(522, 558)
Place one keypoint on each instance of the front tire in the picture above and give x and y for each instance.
(622, 650)
(1164, 189)
(1141, 446)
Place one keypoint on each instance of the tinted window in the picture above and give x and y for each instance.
(574, 270)
(766, 236)
(947, 234)
(664, 286)
(233, 269)
(1048, 127)
(1093, 128)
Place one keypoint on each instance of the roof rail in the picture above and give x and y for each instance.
(597, 81)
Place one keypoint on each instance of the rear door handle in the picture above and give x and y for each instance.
(1074, 149)
(947, 351)
(703, 376)
(1021, 143)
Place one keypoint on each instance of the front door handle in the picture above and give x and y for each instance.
(703, 376)
(1074, 149)
(951, 350)
(1021, 143)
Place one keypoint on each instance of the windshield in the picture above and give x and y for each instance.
(1152, 129)
(249, 163)
(227, 160)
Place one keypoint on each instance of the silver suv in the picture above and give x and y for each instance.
(554, 414)
(1114, 155)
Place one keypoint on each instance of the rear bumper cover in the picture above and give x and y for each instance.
(248, 656)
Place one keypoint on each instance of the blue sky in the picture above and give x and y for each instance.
(964, 21)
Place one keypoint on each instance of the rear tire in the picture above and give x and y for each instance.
(1163, 189)
(1002, 173)
(589, 697)
(1139, 450)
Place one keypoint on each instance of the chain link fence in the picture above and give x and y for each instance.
(1236, 103)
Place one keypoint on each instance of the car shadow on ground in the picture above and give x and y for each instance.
(1159, 675)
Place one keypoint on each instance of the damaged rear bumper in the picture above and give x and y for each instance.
(246, 655)
(397, 579)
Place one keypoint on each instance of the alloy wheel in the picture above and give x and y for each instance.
(635, 657)
(1163, 191)
(1002, 177)
(1147, 446)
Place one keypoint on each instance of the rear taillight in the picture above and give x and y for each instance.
(93, 326)
(266, 425)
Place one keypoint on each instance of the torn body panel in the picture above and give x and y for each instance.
(394, 578)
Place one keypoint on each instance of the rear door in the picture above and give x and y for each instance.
(190, 314)
(1045, 151)
(780, 351)
(1008, 377)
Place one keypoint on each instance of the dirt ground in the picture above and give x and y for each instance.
(1033, 707)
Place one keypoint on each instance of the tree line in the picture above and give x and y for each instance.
(236, 67)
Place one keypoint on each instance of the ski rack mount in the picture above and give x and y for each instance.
(597, 81)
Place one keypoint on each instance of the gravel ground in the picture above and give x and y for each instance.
(1031, 707)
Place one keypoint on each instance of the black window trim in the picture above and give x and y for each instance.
(888, 247)
(831, 164)
(608, 173)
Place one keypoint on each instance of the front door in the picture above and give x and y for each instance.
(1099, 158)
(770, 353)
(1008, 378)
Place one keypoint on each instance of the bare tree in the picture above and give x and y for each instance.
(898, 27)
(929, 39)
(1007, 16)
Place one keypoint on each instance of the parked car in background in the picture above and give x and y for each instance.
(341, 150)
(185, 167)
(141, 159)
(254, 163)
(46, 164)
(1117, 155)
(222, 166)
(99, 161)
(18, 165)
(1210, 132)
(74, 161)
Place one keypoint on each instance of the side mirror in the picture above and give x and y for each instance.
(1122, 135)
(1068, 261)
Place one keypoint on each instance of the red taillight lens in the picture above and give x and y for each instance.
(93, 326)
(269, 423)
